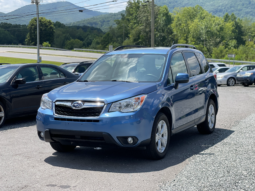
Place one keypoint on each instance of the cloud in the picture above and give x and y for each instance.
(8, 6)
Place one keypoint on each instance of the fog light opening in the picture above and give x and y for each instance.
(130, 140)
(42, 134)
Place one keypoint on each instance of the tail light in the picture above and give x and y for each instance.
(215, 76)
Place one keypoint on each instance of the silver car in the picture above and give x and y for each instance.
(229, 77)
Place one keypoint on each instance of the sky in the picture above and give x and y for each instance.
(11, 5)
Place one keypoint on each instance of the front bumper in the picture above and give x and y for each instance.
(222, 81)
(244, 80)
(110, 129)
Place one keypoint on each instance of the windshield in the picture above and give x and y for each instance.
(70, 68)
(127, 67)
(214, 69)
(234, 69)
(6, 73)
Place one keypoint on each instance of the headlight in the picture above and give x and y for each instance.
(248, 74)
(128, 105)
(46, 103)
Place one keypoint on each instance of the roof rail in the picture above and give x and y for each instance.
(130, 46)
(4, 63)
(183, 45)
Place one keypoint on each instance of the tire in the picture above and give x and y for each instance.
(231, 82)
(62, 148)
(2, 114)
(157, 150)
(245, 84)
(208, 126)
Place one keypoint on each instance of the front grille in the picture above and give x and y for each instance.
(85, 112)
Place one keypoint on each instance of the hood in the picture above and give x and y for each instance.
(107, 91)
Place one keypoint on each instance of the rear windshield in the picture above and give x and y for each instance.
(69, 68)
(221, 65)
(127, 67)
(6, 72)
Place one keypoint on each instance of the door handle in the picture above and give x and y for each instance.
(38, 87)
(192, 87)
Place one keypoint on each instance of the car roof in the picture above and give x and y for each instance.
(156, 50)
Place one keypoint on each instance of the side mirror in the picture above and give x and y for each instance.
(20, 81)
(181, 78)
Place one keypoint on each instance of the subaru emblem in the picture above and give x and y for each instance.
(77, 105)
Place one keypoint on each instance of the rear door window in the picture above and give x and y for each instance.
(29, 73)
(193, 63)
(50, 73)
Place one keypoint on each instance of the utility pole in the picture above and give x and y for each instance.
(152, 23)
(37, 2)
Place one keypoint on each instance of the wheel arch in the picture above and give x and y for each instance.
(6, 105)
(165, 110)
(214, 98)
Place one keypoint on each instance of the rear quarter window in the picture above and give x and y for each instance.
(203, 62)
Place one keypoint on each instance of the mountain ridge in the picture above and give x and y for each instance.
(64, 12)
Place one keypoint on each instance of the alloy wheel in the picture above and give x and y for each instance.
(231, 82)
(1, 115)
(211, 116)
(161, 136)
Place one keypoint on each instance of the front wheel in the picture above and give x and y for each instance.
(160, 138)
(62, 148)
(2, 114)
(245, 84)
(231, 82)
(208, 126)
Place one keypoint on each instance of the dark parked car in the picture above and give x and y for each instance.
(246, 78)
(77, 67)
(132, 98)
(22, 86)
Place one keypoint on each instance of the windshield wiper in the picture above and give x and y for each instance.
(83, 81)
(123, 81)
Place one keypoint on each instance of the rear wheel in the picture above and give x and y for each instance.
(2, 114)
(160, 138)
(62, 148)
(231, 82)
(208, 126)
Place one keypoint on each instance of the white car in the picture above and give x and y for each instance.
(217, 65)
(220, 70)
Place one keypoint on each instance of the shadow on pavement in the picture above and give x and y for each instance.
(19, 122)
(183, 146)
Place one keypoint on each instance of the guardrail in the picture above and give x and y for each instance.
(26, 46)
(90, 50)
(228, 61)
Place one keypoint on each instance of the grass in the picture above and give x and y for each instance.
(21, 60)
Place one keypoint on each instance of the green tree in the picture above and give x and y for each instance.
(73, 43)
(47, 31)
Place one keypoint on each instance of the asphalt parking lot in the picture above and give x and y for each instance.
(194, 161)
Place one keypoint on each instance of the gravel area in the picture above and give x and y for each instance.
(229, 165)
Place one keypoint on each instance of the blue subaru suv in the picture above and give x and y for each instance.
(132, 98)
